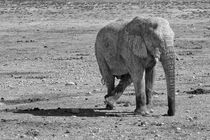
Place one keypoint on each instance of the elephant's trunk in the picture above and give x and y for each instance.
(168, 61)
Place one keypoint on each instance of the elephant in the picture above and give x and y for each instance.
(129, 51)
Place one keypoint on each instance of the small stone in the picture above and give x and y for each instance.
(178, 129)
(96, 90)
(157, 135)
(144, 123)
(155, 96)
(195, 117)
(70, 83)
(2, 99)
(67, 131)
(21, 136)
(154, 132)
(208, 27)
(187, 111)
(191, 96)
(89, 93)
(190, 118)
(3, 120)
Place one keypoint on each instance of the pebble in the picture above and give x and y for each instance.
(70, 83)
(157, 135)
(190, 118)
(96, 90)
(200, 84)
(187, 111)
(178, 129)
(208, 27)
(191, 96)
(89, 93)
(144, 123)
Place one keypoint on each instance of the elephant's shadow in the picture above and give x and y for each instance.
(80, 112)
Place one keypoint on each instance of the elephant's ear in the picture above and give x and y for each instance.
(137, 45)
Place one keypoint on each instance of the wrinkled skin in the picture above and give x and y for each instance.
(129, 52)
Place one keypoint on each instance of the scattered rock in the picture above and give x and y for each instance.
(191, 96)
(157, 123)
(89, 93)
(143, 123)
(2, 99)
(96, 90)
(70, 83)
(200, 84)
(208, 27)
(32, 132)
(187, 111)
(3, 120)
(157, 135)
(45, 47)
(67, 131)
(198, 91)
(178, 129)
(189, 118)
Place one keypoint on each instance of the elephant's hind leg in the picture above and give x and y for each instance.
(125, 80)
(107, 76)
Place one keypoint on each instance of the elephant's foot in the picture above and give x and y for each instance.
(171, 112)
(141, 111)
(110, 103)
(150, 109)
(110, 107)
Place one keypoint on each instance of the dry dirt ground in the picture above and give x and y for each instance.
(50, 85)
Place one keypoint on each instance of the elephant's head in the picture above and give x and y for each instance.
(153, 36)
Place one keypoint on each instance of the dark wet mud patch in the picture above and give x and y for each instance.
(198, 91)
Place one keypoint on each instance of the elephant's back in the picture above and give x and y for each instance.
(106, 46)
(107, 37)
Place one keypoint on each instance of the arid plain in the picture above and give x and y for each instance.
(50, 85)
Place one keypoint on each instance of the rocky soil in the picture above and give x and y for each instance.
(50, 86)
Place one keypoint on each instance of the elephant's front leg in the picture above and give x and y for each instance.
(149, 79)
(118, 91)
(139, 85)
(110, 87)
